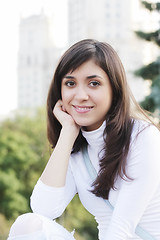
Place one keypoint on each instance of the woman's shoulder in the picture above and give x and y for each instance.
(144, 145)
(145, 130)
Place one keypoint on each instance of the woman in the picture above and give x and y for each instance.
(89, 106)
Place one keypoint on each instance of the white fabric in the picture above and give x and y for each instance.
(33, 226)
(135, 202)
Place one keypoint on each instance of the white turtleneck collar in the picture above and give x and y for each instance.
(95, 137)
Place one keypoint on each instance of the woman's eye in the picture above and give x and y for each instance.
(70, 83)
(94, 83)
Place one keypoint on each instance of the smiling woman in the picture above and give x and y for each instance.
(89, 114)
(87, 95)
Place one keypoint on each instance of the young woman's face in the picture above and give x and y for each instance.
(87, 95)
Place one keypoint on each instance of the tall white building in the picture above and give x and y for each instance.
(36, 60)
(91, 18)
(114, 22)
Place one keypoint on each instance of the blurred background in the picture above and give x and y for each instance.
(34, 34)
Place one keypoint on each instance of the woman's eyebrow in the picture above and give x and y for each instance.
(93, 76)
(69, 77)
(88, 77)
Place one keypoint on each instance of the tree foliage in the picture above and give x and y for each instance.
(22, 142)
(151, 36)
(151, 6)
(151, 71)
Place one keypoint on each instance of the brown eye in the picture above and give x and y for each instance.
(70, 83)
(94, 83)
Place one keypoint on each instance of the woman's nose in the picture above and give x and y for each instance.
(81, 93)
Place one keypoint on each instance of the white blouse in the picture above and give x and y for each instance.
(135, 201)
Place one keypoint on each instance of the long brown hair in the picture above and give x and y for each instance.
(119, 122)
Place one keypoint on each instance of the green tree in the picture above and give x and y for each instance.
(23, 153)
(152, 70)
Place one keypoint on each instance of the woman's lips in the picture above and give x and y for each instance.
(82, 109)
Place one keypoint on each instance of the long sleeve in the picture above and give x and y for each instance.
(134, 196)
(51, 201)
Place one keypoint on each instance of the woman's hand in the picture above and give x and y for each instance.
(64, 118)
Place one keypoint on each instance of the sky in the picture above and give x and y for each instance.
(10, 14)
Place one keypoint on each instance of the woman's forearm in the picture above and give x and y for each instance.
(55, 171)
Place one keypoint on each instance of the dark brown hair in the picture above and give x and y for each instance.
(119, 122)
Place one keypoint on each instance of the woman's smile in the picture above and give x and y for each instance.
(82, 109)
(87, 95)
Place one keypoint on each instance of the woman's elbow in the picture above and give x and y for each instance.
(51, 211)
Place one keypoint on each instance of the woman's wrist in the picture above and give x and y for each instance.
(70, 133)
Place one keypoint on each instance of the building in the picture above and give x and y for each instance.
(36, 60)
(114, 22)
